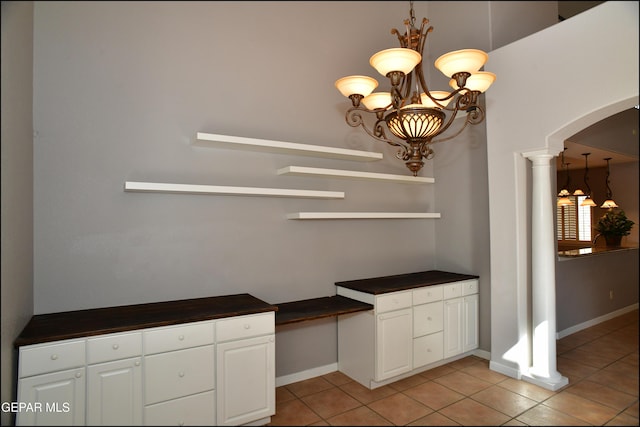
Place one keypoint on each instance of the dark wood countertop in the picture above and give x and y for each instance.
(401, 282)
(317, 308)
(82, 323)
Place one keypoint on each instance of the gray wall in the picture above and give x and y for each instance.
(17, 185)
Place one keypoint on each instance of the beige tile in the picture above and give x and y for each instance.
(526, 389)
(623, 420)
(632, 410)
(409, 382)
(465, 362)
(310, 386)
(283, 395)
(328, 403)
(587, 410)
(514, 422)
(589, 358)
(294, 413)
(468, 412)
(505, 401)
(482, 371)
(337, 378)
(624, 383)
(361, 416)
(574, 369)
(365, 395)
(433, 395)
(434, 419)
(437, 372)
(400, 409)
(602, 394)
(463, 383)
(542, 415)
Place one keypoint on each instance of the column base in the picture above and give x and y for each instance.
(553, 384)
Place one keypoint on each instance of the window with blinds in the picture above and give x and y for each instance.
(574, 221)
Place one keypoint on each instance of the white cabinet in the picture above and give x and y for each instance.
(245, 367)
(168, 375)
(460, 318)
(408, 331)
(52, 382)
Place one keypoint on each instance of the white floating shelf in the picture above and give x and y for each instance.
(303, 170)
(362, 215)
(242, 143)
(154, 187)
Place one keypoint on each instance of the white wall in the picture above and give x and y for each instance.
(554, 83)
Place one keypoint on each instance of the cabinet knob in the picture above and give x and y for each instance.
(428, 350)
(115, 346)
(428, 317)
(181, 374)
(54, 357)
(181, 337)
(247, 326)
(137, 363)
(181, 423)
(78, 374)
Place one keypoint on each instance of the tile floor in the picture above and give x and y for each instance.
(601, 363)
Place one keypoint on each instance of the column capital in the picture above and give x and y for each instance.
(542, 154)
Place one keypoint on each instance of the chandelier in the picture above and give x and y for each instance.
(409, 111)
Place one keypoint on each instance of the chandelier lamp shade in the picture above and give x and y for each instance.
(609, 203)
(409, 111)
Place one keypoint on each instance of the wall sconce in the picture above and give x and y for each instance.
(609, 203)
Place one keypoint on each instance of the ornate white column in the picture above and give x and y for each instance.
(543, 271)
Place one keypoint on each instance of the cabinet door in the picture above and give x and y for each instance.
(394, 343)
(246, 380)
(470, 319)
(56, 399)
(452, 327)
(114, 393)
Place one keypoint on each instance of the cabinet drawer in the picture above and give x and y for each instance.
(178, 373)
(452, 290)
(393, 301)
(114, 347)
(43, 358)
(427, 318)
(196, 410)
(170, 338)
(428, 294)
(238, 327)
(428, 349)
(469, 287)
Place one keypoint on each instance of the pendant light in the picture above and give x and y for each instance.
(563, 195)
(587, 201)
(609, 203)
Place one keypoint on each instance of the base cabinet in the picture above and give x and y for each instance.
(215, 372)
(410, 329)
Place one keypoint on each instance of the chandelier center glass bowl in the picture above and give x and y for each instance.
(409, 110)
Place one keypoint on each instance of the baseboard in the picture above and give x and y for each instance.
(482, 354)
(597, 320)
(305, 375)
(505, 370)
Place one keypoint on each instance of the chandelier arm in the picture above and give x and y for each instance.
(354, 119)
(473, 117)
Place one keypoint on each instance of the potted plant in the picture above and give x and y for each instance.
(613, 225)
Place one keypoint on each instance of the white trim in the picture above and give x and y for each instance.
(597, 320)
(305, 375)
(505, 370)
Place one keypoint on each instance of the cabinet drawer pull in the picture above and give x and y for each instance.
(54, 357)
(181, 337)
(181, 374)
(78, 374)
(137, 363)
(115, 346)
(247, 326)
(428, 317)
